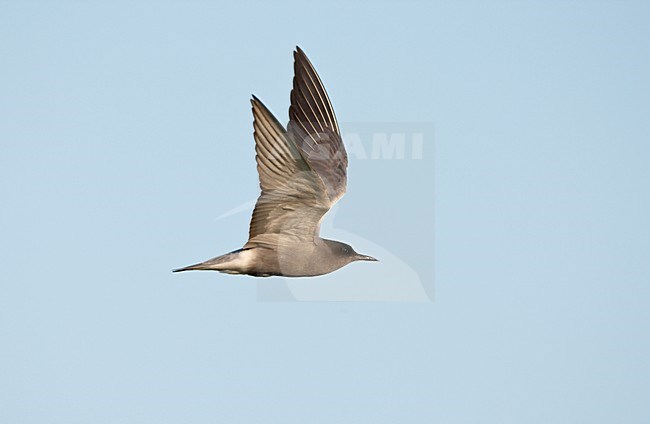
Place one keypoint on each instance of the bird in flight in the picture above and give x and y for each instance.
(302, 172)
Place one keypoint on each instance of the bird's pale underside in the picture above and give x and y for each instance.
(302, 172)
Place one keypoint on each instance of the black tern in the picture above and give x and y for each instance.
(303, 173)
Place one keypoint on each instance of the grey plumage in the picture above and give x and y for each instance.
(302, 173)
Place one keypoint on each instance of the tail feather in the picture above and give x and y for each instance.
(194, 267)
(220, 263)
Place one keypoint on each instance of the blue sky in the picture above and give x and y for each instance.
(126, 133)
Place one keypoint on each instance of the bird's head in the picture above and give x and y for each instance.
(346, 251)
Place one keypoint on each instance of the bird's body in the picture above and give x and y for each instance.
(293, 259)
(302, 172)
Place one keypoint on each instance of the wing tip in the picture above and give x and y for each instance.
(257, 105)
(300, 55)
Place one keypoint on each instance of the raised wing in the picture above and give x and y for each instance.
(293, 198)
(303, 170)
(313, 127)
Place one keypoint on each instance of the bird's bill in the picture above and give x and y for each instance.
(366, 258)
